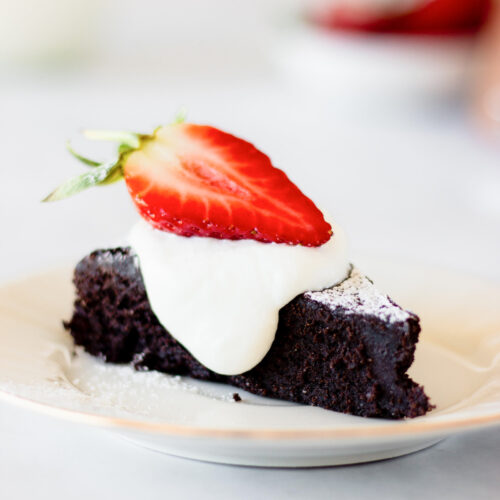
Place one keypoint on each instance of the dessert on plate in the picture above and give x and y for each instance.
(233, 275)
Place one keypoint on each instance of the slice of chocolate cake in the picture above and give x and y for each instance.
(346, 348)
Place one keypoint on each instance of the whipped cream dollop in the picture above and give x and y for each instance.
(220, 298)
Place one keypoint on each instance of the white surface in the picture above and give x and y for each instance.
(236, 288)
(388, 68)
(457, 360)
(426, 183)
(49, 459)
(414, 181)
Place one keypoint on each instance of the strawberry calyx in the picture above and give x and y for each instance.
(100, 173)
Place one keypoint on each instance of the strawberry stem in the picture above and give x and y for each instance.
(181, 115)
(129, 139)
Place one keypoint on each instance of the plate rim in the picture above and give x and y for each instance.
(416, 427)
(396, 428)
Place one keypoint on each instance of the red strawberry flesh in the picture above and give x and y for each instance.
(195, 180)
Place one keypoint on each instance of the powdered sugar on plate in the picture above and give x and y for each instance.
(119, 385)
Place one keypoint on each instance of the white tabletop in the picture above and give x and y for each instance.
(50, 459)
(417, 182)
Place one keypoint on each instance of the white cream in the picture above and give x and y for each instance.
(220, 299)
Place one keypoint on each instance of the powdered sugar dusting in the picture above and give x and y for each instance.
(358, 295)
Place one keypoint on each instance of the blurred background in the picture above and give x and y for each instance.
(385, 112)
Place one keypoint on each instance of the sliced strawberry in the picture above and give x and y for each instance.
(196, 180)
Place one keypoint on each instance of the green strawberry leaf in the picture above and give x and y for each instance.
(83, 159)
(130, 139)
(115, 175)
(101, 175)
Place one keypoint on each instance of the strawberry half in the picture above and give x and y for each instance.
(196, 180)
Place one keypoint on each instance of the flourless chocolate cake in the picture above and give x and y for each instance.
(346, 348)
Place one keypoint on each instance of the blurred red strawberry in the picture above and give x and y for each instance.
(431, 17)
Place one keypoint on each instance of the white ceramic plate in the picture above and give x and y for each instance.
(457, 360)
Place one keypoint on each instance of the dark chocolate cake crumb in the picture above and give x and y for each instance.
(338, 358)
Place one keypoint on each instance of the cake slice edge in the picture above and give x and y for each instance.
(332, 348)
